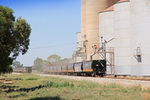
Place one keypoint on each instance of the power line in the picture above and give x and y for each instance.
(53, 46)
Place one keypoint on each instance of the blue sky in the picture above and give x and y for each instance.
(54, 24)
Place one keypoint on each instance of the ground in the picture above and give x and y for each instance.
(35, 87)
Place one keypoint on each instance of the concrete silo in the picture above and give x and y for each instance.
(90, 23)
(106, 30)
(122, 37)
(140, 29)
(78, 45)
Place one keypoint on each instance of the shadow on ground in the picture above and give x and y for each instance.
(10, 79)
(10, 87)
(24, 89)
(47, 98)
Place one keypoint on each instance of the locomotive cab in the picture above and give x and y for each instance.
(95, 67)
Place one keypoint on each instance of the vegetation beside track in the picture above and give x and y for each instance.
(34, 87)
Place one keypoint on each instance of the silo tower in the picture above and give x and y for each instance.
(140, 33)
(90, 23)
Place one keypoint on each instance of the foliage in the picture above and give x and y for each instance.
(53, 58)
(38, 64)
(14, 37)
(63, 61)
(59, 84)
(32, 78)
(17, 64)
(45, 62)
(9, 69)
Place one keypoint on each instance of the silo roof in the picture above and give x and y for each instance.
(78, 32)
(108, 9)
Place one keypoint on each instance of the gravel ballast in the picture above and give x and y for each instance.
(123, 82)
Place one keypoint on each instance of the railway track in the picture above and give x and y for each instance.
(109, 77)
(112, 77)
(129, 78)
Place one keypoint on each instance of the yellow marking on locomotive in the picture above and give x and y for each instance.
(64, 71)
(87, 70)
(49, 71)
(54, 71)
(24, 71)
(70, 70)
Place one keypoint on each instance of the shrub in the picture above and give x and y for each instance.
(31, 79)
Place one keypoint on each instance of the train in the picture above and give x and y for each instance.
(88, 68)
(23, 70)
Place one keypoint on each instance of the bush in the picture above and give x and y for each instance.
(31, 79)
(56, 84)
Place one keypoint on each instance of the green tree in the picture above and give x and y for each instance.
(38, 64)
(17, 64)
(53, 58)
(45, 62)
(64, 61)
(9, 69)
(14, 37)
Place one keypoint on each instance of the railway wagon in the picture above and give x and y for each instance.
(59, 69)
(78, 68)
(29, 69)
(70, 70)
(94, 67)
(23, 70)
(64, 69)
(55, 69)
(46, 69)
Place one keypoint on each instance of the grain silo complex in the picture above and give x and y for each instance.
(123, 25)
(90, 23)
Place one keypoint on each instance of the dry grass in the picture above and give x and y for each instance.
(33, 87)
